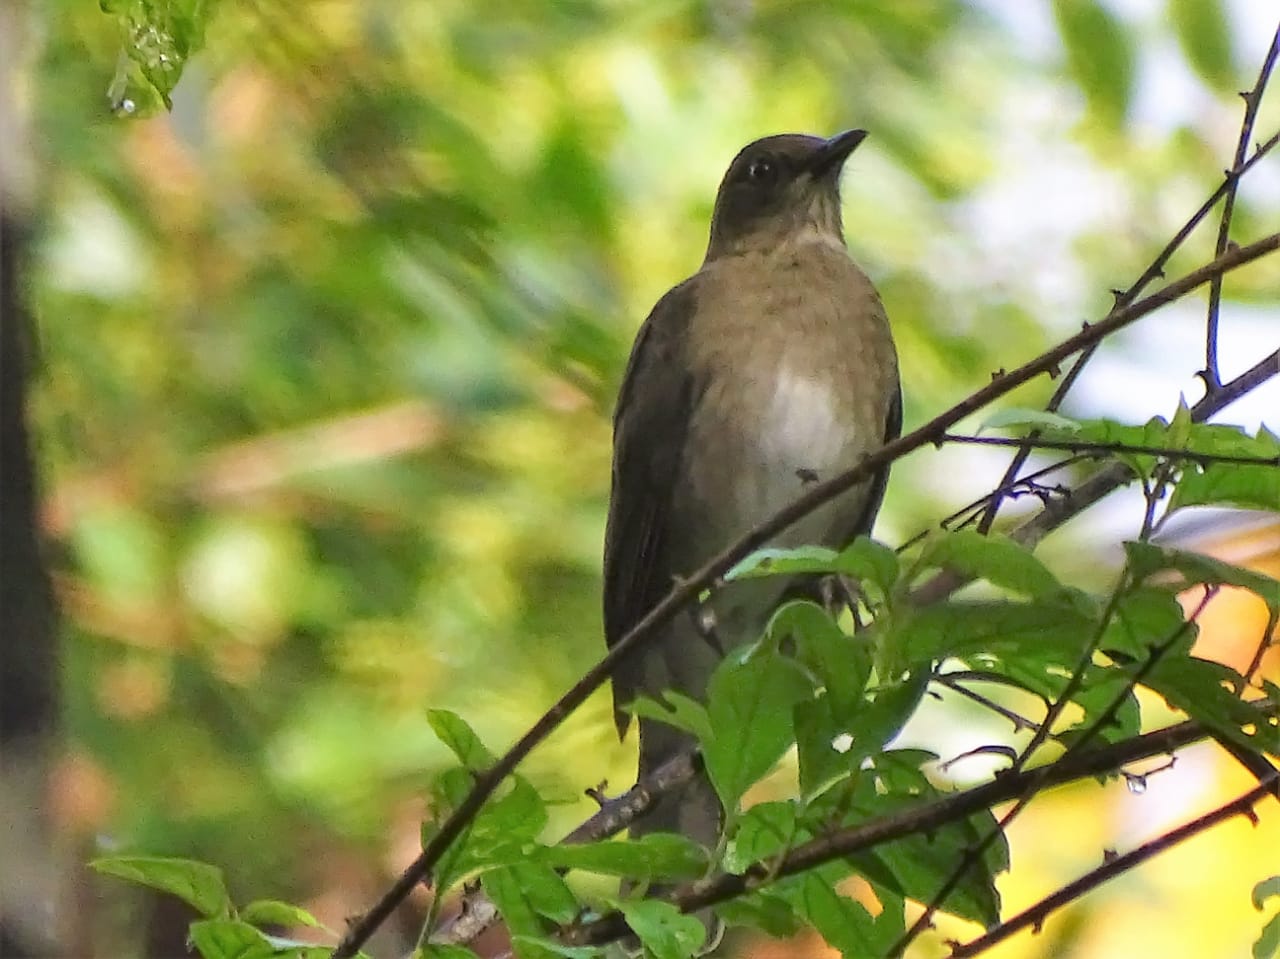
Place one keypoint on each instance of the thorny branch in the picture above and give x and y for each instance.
(1252, 100)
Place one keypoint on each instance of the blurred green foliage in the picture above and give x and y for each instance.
(328, 351)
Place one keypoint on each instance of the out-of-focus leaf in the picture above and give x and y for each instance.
(272, 912)
(764, 830)
(1205, 38)
(657, 856)
(1099, 55)
(1146, 560)
(461, 739)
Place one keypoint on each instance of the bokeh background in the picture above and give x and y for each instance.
(326, 357)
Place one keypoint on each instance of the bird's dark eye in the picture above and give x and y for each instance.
(762, 170)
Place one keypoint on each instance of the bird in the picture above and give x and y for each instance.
(771, 368)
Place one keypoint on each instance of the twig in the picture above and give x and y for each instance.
(1252, 100)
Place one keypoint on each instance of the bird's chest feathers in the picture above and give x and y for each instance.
(800, 435)
(782, 433)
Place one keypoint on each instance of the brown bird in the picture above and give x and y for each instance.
(769, 369)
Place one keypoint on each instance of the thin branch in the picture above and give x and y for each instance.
(1252, 100)
(1035, 916)
(361, 928)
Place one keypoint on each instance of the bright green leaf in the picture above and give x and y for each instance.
(271, 912)
(198, 884)
(461, 739)
(749, 704)
(664, 931)
(657, 856)
(1264, 890)
(1100, 56)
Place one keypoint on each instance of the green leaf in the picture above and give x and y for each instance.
(159, 38)
(864, 559)
(271, 912)
(501, 834)
(198, 884)
(657, 856)
(764, 830)
(236, 939)
(559, 948)
(1205, 691)
(461, 739)
(527, 894)
(779, 561)
(1267, 945)
(841, 663)
(1264, 890)
(843, 922)
(1203, 34)
(1099, 55)
(966, 629)
(1146, 560)
(1028, 420)
(665, 932)
(764, 910)
(749, 705)
(676, 710)
(996, 559)
(229, 939)
(1145, 617)
(1246, 485)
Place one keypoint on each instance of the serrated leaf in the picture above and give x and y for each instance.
(198, 884)
(1099, 55)
(665, 932)
(1203, 33)
(460, 738)
(749, 705)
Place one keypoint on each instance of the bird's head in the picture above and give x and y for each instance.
(778, 188)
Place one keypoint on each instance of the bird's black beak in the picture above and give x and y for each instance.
(831, 155)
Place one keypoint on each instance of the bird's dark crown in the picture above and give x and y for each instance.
(777, 186)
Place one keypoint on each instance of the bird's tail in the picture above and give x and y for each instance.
(693, 810)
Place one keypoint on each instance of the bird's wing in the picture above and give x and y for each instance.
(892, 430)
(649, 431)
